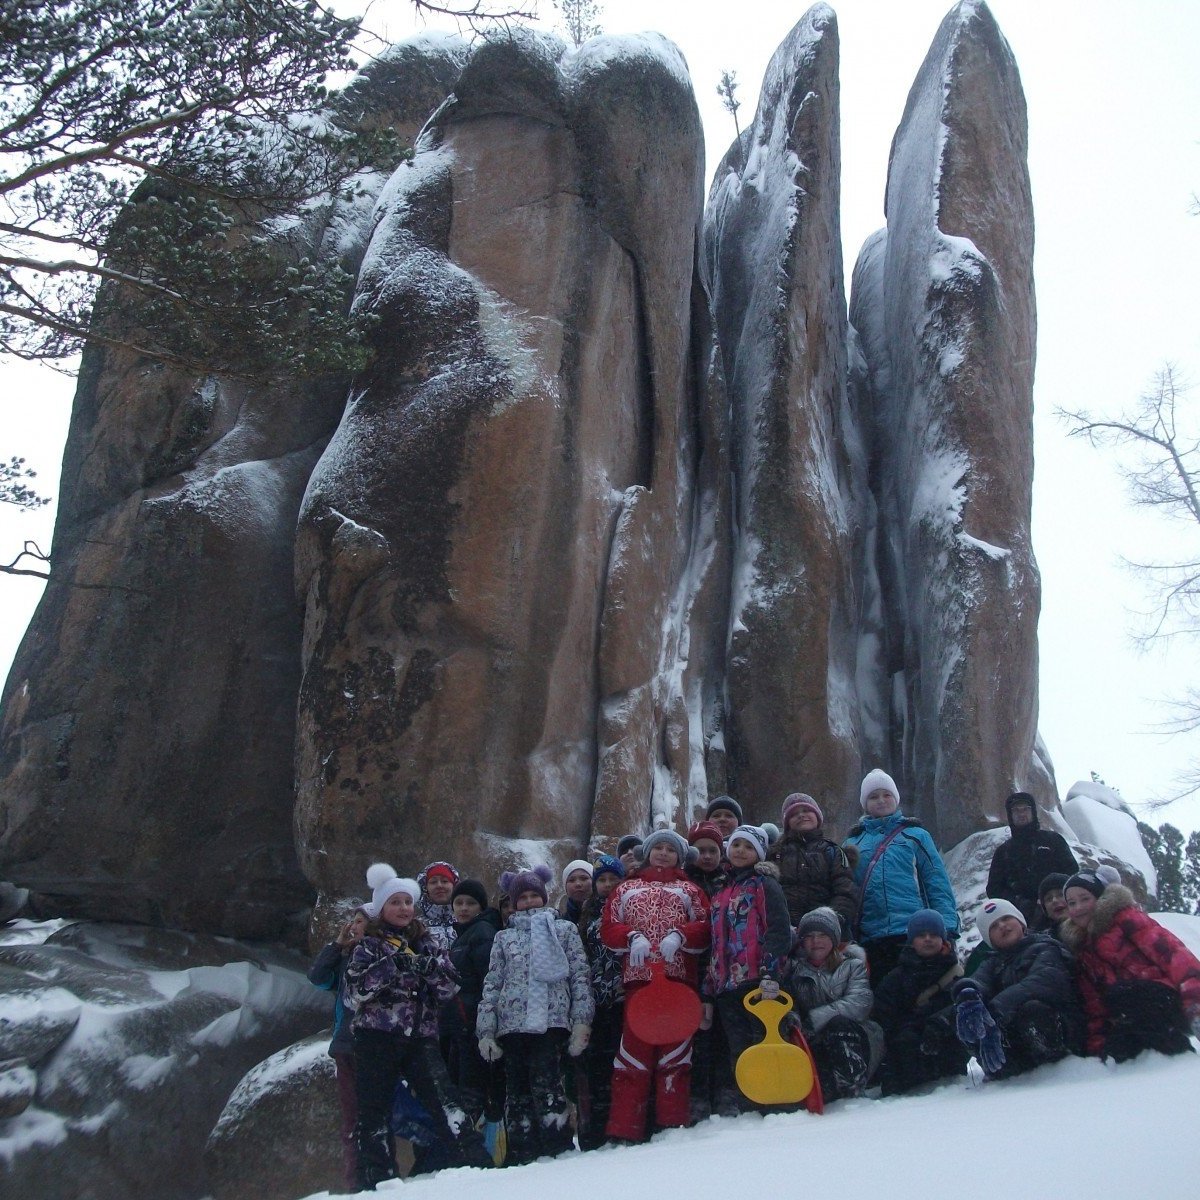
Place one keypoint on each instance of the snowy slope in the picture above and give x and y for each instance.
(1075, 1131)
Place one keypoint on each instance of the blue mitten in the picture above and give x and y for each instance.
(976, 1028)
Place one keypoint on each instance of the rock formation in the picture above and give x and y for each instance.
(501, 549)
(578, 548)
(773, 249)
(943, 308)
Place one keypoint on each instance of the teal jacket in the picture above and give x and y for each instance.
(909, 875)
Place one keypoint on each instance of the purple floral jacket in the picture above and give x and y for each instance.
(398, 988)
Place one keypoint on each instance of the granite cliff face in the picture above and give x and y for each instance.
(622, 513)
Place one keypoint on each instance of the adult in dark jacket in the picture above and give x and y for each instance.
(912, 1005)
(1030, 854)
(813, 871)
(476, 925)
(1028, 989)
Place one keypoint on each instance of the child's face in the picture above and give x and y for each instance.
(881, 803)
(605, 883)
(398, 910)
(741, 853)
(1054, 905)
(708, 854)
(724, 820)
(662, 854)
(1081, 906)
(466, 908)
(817, 947)
(438, 888)
(629, 859)
(802, 820)
(579, 885)
(927, 945)
(529, 899)
(358, 926)
(1005, 933)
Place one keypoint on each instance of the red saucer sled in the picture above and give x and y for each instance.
(663, 1012)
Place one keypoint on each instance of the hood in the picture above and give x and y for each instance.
(1022, 798)
(1114, 899)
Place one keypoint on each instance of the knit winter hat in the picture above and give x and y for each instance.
(820, 920)
(773, 832)
(926, 920)
(535, 880)
(728, 803)
(1094, 881)
(472, 888)
(991, 911)
(607, 865)
(627, 843)
(755, 835)
(1054, 882)
(876, 779)
(444, 869)
(384, 884)
(666, 837)
(800, 800)
(705, 831)
(576, 864)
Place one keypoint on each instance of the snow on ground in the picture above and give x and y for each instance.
(1076, 1130)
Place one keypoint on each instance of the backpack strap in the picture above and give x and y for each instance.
(862, 887)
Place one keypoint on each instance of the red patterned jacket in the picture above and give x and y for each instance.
(1123, 943)
(655, 901)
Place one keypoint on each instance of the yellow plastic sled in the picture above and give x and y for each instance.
(774, 1071)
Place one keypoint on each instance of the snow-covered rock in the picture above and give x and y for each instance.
(1097, 821)
(278, 1135)
(774, 261)
(162, 1026)
(943, 311)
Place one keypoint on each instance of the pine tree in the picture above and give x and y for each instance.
(1191, 873)
(1165, 847)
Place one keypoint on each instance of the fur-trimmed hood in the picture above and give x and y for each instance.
(1114, 899)
(767, 868)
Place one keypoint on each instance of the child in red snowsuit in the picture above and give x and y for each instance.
(658, 915)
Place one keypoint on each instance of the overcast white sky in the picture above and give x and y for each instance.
(1114, 110)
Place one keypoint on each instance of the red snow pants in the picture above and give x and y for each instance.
(639, 1065)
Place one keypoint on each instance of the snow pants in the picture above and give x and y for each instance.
(842, 1055)
(1035, 1034)
(1144, 1015)
(535, 1101)
(637, 1068)
(381, 1060)
(922, 1052)
(596, 1067)
(343, 1065)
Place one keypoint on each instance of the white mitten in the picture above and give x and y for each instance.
(489, 1049)
(639, 948)
(670, 945)
(579, 1039)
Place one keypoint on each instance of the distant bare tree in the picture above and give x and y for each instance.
(580, 18)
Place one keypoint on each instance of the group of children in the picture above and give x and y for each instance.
(462, 1010)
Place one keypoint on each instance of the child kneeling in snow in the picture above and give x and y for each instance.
(1019, 1010)
(656, 916)
(833, 1003)
(913, 1007)
(1140, 984)
(396, 980)
(537, 1001)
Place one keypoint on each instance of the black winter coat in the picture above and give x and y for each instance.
(709, 882)
(1036, 968)
(1020, 864)
(813, 871)
(470, 953)
(897, 993)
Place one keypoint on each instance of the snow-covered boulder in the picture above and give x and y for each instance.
(162, 1028)
(509, 553)
(943, 312)
(1099, 818)
(278, 1135)
(774, 261)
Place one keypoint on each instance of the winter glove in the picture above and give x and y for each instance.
(706, 1016)
(580, 1034)
(639, 948)
(769, 988)
(489, 1049)
(975, 1027)
(670, 945)
(424, 964)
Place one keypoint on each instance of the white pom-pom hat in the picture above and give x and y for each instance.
(384, 884)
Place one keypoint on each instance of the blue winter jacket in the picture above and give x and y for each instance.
(909, 875)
